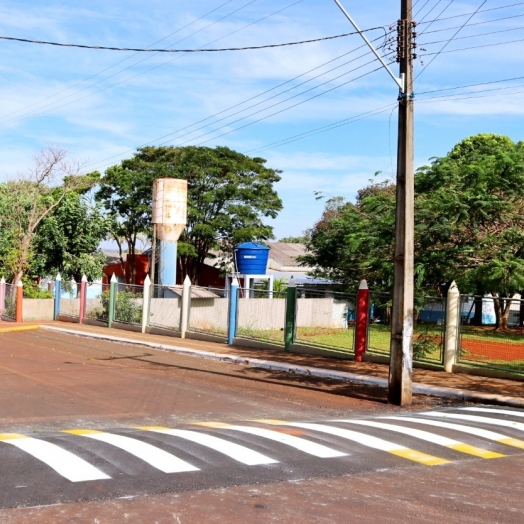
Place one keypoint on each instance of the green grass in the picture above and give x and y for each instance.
(511, 336)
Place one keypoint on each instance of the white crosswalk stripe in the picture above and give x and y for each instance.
(493, 410)
(478, 432)
(63, 462)
(475, 418)
(366, 440)
(311, 448)
(154, 456)
(429, 437)
(235, 451)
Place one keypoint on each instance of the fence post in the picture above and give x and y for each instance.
(186, 304)
(112, 293)
(291, 314)
(145, 302)
(58, 293)
(362, 321)
(2, 296)
(451, 338)
(83, 289)
(19, 302)
(233, 309)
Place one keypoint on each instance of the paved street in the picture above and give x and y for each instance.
(89, 429)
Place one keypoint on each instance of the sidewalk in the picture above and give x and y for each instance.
(426, 382)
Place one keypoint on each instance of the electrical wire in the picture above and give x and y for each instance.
(472, 85)
(234, 106)
(474, 24)
(450, 39)
(475, 36)
(198, 50)
(121, 61)
(31, 114)
(475, 12)
(474, 47)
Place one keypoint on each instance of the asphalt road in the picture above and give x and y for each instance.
(92, 431)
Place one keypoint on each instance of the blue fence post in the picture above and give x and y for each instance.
(233, 309)
(58, 294)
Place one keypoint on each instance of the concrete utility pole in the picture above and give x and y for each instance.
(401, 359)
(402, 318)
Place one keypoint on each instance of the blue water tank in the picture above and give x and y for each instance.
(251, 258)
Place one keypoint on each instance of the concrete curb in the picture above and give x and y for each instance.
(421, 389)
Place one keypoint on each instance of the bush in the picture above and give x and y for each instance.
(127, 309)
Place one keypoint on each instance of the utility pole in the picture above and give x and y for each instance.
(402, 318)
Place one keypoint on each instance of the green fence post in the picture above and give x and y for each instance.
(291, 314)
(112, 296)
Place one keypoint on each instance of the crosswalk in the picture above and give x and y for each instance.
(429, 438)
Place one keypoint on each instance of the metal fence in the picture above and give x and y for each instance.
(482, 344)
(69, 301)
(428, 330)
(326, 319)
(97, 302)
(9, 306)
(261, 315)
(209, 310)
(128, 303)
(164, 307)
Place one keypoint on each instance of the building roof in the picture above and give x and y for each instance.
(283, 257)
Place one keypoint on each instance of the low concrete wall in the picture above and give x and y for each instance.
(38, 309)
(165, 312)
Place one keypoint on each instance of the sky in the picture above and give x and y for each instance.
(324, 113)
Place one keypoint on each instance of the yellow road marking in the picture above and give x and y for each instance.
(152, 428)
(477, 452)
(417, 456)
(11, 436)
(18, 328)
(515, 442)
(82, 431)
(216, 425)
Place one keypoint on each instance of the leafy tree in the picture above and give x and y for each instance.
(67, 241)
(469, 225)
(229, 196)
(26, 201)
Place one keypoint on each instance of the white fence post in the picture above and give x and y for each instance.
(145, 302)
(453, 316)
(186, 304)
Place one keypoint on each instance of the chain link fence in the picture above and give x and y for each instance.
(129, 300)
(326, 319)
(209, 310)
(261, 315)
(164, 307)
(97, 301)
(9, 305)
(481, 343)
(428, 331)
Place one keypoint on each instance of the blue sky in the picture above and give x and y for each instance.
(101, 105)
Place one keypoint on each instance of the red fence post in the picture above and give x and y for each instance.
(82, 312)
(362, 321)
(19, 302)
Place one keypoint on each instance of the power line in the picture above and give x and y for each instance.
(451, 39)
(477, 35)
(125, 59)
(474, 24)
(438, 17)
(466, 14)
(472, 85)
(198, 50)
(31, 113)
(252, 98)
(474, 47)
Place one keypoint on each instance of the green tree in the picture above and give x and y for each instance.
(229, 197)
(26, 201)
(68, 240)
(469, 225)
(294, 240)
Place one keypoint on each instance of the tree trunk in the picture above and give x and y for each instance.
(477, 317)
(502, 311)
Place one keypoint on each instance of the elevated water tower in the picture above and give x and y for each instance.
(169, 219)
